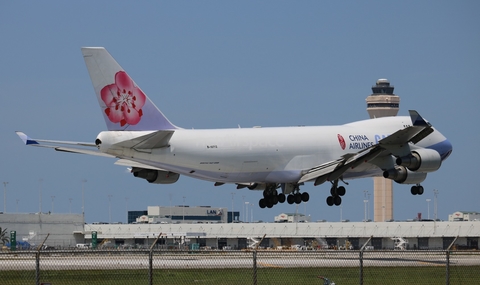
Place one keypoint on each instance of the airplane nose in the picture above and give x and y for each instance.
(447, 149)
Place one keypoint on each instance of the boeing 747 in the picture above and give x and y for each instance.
(275, 160)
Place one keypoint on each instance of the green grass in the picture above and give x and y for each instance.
(244, 276)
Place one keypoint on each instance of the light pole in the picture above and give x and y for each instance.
(368, 202)
(365, 201)
(83, 199)
(53, 197)
(243, 200)
(183, 210)
(170, 195)
(435, 193)
(251, 213)
(246, 211)
(126, 208)
(233, 213)
(5, 197)
(428, 208)
(70, 206)
(40, 195)
(110, 208)
(17, 204)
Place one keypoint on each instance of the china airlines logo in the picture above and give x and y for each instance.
(124, 100)
(341, 140)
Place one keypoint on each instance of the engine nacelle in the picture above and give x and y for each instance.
(156, 176)
(424, 160)
(404, 176)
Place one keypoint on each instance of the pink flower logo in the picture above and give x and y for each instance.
(341, 140)
(124, 100)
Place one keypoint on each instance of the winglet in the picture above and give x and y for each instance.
(417, 120)
(26, 139)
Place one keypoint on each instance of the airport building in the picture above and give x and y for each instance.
(68, 230)
(464, 216)
(182, 214)
(63, 230)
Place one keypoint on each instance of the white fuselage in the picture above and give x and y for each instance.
(264, 155)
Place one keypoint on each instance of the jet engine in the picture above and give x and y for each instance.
(424, 160)
(156, 176)
(402, 175)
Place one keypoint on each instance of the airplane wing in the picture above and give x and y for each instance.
(131, 163)
(156, 139)
(57, 145)
(334, 169)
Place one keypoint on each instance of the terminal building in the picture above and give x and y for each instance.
(205, 231)
(182, 214)
(464, 216)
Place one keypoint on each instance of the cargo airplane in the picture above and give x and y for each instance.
(275, 160)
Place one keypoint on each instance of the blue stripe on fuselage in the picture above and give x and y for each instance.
(444, 148)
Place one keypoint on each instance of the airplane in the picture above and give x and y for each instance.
(275, 160)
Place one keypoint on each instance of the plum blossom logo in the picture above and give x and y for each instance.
(124, 100)
(341, 140)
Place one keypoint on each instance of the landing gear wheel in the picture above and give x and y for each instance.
(269, 204)
(305, 197)
(414, 190)
(290, 199)
(274, 200)
(337, 200)
(298, 198)
(420, 190)
(281, 198)
(262, 203)
(341, 191)
(330, 200)
(333, 191)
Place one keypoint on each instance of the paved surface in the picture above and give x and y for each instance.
(78, 260)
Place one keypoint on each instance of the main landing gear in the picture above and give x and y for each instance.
(271, 197)
(335, 193)
(417, 190)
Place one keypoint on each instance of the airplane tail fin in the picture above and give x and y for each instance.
(124, 105)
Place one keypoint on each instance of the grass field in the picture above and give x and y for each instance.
(372, 275)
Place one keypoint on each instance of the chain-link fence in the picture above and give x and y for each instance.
(238, 267)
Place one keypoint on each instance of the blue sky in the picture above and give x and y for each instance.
(220, 64)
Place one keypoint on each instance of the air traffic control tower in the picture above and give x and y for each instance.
(382, 103)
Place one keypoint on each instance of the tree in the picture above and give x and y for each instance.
(4, 236)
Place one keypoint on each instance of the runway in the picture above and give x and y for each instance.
(110, 260)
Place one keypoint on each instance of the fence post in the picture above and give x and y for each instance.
(361, 259)
(150, 261)
(255, 267)
(37, 261)
(255, 260)
(447, 274)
